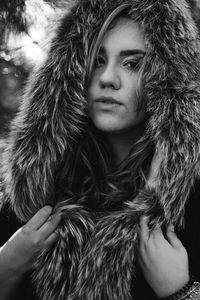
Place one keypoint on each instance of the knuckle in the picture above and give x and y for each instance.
(37, 241)
(26, 230)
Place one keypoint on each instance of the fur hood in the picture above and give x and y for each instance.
(53, 116)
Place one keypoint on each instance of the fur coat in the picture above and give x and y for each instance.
(95, 259)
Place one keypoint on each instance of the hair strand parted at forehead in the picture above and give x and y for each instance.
(122, 10)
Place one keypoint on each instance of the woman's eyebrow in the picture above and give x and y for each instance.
(130, 52)
(124, 53)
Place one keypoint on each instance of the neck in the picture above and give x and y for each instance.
(122, 143)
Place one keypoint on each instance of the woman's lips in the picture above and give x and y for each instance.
(107, 102)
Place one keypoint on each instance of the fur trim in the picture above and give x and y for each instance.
(60, 263)
(53, 117)
(111, 252)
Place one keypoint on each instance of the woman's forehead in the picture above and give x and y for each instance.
(125, 35)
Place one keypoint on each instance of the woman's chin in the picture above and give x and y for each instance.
(108, 126)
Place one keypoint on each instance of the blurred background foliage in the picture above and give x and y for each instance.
(26, 28)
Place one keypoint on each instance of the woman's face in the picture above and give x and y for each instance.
(112, 92)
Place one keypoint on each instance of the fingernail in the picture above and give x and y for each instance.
(47, 209)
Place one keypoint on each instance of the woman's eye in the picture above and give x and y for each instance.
(99, 61)
(132, 65)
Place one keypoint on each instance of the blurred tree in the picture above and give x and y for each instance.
(195, 7)
(13, 12)
(25, 26)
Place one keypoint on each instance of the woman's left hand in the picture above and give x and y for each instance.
(163, 260)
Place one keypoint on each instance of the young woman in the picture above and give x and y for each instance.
(108, 135)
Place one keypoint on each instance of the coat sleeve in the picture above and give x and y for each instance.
(8, 224)
(189, 291)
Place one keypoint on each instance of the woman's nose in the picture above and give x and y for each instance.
(109, 78)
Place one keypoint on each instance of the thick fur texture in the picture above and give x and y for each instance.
(94, 258)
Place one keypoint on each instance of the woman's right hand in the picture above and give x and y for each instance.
(21, 250)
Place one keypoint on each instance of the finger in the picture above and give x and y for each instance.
(156, 236)
(157, 231)
(172, 237)
(40, 217)
(49, 227)
(144, 230)
(51, 239)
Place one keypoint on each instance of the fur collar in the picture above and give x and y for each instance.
(52, 117)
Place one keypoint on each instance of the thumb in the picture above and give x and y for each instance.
(172, 237)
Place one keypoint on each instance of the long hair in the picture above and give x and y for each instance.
(89, 176)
